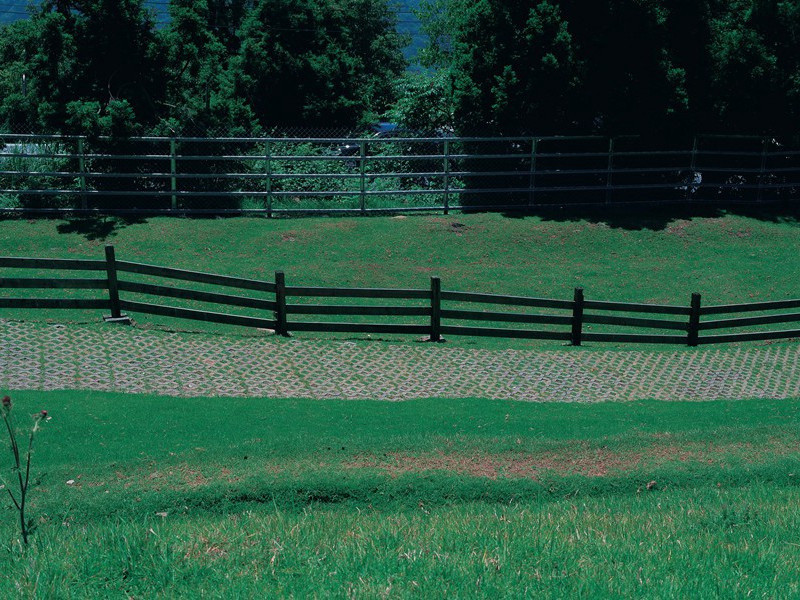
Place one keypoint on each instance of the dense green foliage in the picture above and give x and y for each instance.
(495, 66)
(620, 66)
(101, 66)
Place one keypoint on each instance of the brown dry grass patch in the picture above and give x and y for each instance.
(578, 460)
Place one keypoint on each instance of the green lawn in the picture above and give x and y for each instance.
(249, 497)
(728, 259)
(255, 497)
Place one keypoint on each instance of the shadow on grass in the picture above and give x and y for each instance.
(98, 227)
(637, 218)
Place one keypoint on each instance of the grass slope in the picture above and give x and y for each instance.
(254, 497)
(211, 453)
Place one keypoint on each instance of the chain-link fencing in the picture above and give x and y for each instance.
(395, 171)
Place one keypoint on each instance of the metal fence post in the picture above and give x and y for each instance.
(610, 173)
(362, 146)
(694, 321)
(577, 316)
(532, 178)
(268, 156)
(436, 309)
(446, 176)
(692, 167)
(763, 172)
(82, 170)
(281, 326)
(173, 169)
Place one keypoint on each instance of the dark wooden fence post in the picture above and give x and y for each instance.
(577, 316)
(281, 327)
(694, 321)
(436, 309)
(113, 288)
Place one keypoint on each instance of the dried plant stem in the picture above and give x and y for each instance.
(23, 481)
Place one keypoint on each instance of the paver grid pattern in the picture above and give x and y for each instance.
(128, 359)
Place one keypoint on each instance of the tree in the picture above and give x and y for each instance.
(312, 62)
(200, 95)
(424, 102)
(513, 66)
(100, 52)
(755, 54)
(632, 82)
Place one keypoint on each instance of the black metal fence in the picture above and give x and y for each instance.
(186, 175)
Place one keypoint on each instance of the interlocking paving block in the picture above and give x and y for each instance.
(43, 356)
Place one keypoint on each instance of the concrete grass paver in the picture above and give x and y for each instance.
(43, 356)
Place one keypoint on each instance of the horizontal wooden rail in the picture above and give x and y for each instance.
(634, 322)
(755, 336)
(41, 283)
(319, 309)
(329, 292)
(170, 292)
(52, 263)
(634, 338)
(197, 315)
(472, 315)
(750, 321)
(359, 328)
(196, 276)
(507, 300)
(663, 309)
(76, 303)
(505, 333)
(751, 307)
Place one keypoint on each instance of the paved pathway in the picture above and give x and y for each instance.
(127, 359)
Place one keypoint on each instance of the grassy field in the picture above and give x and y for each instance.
(727, 258)
(142, 496)
(253, 497)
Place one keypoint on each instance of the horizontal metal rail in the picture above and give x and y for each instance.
(582, 170)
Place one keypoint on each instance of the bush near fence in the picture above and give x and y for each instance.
(436, 312)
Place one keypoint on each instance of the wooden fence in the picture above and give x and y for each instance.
(438, 312)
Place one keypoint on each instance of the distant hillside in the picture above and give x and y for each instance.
(407, 22)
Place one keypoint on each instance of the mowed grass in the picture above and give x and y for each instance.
(725, 258)
(474, 498)
(652, 258)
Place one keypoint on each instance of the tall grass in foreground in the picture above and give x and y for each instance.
(686, 543)
(249, 498)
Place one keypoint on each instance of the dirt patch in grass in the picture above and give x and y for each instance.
(582, 460)
(597, 463)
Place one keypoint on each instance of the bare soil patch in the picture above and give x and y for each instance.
(582, 460)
